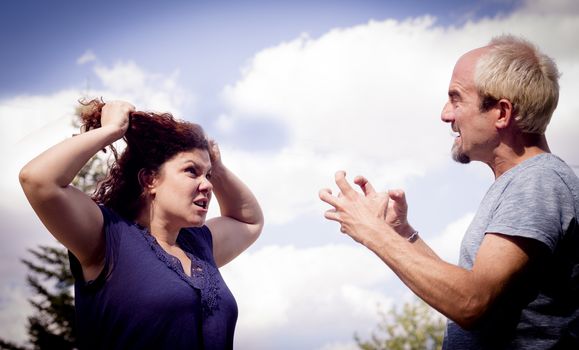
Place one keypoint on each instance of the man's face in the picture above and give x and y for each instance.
(476, 134)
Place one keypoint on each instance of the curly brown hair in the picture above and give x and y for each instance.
(151, 140)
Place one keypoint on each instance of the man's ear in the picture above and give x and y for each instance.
(506, 113)
(147, 180)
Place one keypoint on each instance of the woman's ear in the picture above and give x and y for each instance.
(147, 180)
(506, 116)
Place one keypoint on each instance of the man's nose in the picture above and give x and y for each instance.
(446, 115)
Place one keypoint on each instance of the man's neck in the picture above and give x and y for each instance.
(515, 151)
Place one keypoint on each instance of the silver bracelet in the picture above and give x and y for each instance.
(413, 237)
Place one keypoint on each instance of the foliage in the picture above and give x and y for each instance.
(416, 327)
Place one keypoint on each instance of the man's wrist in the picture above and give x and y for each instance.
(413, 237)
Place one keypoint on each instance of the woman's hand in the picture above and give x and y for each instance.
(214, 154)
(115, 114)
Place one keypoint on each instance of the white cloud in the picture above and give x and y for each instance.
(128, 81)
(287, 182)
(341, 93)
(87, 57)
(447, 244)
(309, 293)
(368, 98)
(21, 116)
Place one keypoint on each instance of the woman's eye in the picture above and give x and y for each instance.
(191, 171)
(208, 176)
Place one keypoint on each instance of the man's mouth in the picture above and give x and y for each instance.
(454, 132)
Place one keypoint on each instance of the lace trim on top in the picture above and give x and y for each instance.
(203, 275)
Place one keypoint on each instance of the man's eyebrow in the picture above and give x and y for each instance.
(454, 93)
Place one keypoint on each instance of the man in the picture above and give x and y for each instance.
(517, 282)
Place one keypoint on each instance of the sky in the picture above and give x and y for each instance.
(292, 91)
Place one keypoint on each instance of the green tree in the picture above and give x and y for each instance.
(52, 326)
(415, 327)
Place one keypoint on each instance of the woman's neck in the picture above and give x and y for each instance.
(159, 228)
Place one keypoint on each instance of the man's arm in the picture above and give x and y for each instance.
(462, 295)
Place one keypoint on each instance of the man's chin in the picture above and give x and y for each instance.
(460, 157)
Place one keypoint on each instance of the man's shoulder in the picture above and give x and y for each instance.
(544, 168)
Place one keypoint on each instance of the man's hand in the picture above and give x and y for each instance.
(356, 212)
(397, 213)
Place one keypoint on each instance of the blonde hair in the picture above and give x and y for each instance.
(516, 70)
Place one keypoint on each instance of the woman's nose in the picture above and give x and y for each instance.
(205, 185)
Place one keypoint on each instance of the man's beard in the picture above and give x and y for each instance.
(459, 156)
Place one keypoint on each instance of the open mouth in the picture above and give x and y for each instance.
(202, 203)
(454, 132)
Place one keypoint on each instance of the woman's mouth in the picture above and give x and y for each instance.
(202, 203)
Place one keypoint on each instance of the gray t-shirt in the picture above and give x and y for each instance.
(538, 199)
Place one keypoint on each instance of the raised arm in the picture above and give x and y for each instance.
(70, 215)
(462, 295)
(241, 219)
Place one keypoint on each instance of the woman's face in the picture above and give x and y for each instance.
(182, 190)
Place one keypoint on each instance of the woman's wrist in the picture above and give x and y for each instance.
(115, 132)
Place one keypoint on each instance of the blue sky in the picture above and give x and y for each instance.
(292, 91)
(207, 40)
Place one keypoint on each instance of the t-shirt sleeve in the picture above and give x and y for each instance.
(110, 223)
(535, 204)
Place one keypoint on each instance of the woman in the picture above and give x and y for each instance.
(144, 258)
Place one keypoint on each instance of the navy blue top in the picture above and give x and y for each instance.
(143, 299)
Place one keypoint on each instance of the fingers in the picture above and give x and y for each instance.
(343, 185)
(365, 185)
(326, 196)
(121, 106)
(214, 151)
(332, 214)
(399, 197)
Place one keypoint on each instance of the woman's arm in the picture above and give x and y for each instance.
(241, 219)
(70, 215)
